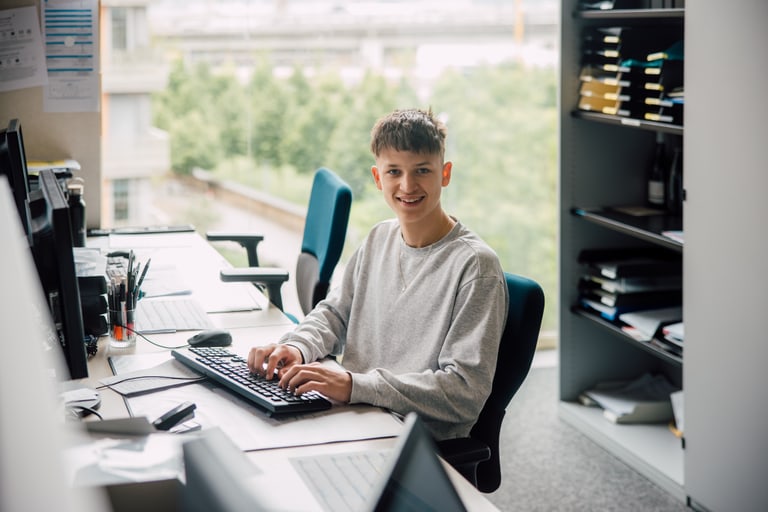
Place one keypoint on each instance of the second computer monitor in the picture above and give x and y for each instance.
(55, 262)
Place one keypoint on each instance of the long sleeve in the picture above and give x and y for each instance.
(418, 328)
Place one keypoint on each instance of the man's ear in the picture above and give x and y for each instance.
(376, 177)
(447, 166)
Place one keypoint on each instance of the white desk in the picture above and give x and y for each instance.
(199, 263)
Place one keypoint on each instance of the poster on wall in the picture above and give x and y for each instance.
(22, 60)
(71, 40)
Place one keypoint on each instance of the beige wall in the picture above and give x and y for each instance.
(49, 136)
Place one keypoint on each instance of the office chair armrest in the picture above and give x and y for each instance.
(465, 455)
(463, 450)
(271, 278)
(247, 240)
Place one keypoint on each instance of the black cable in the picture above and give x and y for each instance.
(89, 410)
(137, 377)
(153, 342)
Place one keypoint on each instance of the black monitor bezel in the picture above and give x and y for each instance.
(52, 251)
(13, 163)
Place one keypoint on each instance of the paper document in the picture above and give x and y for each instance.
(22, 58)
(233, 297)
(647, 322)
(164, 281)
(117, 461)
(251, 429)
(675, 332)
(152, 241)
(72, 47)
(248, 426)
(168, 374)
(644, 400)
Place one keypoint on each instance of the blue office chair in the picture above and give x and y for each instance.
(325, 230)
(477, 456)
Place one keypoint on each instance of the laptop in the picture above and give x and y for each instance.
(417, 479)
(410, 477)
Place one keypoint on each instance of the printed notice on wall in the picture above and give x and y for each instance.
(71, 37)
(22, 60)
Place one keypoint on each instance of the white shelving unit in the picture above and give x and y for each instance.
(603, 163)
(722, 463)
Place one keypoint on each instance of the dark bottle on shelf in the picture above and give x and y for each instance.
(77, 213)
(675, 183)
(656, 182)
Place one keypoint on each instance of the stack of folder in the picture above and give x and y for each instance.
(91, 280)
(646, 399)
(619, 281)
(604, 88)
(632, 72)
(671, 338)
(663, 89)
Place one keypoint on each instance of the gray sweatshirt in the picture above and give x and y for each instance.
(417, 328)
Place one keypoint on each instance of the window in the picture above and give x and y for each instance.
(120, 199)
(119, 18)
(262, 93)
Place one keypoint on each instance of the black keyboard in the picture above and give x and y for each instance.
(231, 371)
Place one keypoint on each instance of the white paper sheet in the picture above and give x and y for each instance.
(22, 59)
(249, 427)
(71, 34)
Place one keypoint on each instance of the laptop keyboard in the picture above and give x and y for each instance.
(231, 371)
(342, 481)
(159, 315)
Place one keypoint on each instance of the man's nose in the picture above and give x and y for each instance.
(408, 183)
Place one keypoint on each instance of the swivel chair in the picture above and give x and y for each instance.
(325, 230)
(477, 456)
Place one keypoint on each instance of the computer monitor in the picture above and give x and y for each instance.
(33, 435)
(216, 474)
(55, 262)
(13, 164)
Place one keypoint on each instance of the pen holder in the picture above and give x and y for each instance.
(122, 322)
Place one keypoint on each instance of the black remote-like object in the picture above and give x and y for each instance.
(178, 414)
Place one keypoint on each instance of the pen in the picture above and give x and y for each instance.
(143, 273)
(130, 273)
(135, 288)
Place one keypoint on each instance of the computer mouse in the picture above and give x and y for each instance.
(211, 338)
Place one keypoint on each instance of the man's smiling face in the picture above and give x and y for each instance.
(411, 183)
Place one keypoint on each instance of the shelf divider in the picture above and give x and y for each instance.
(630, 122)
(648, 228)
(646, 346)
(631, 14)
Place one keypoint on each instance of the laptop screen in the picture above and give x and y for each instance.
(417, 481)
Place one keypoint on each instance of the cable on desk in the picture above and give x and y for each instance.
(137, 377)
(140, 335)
(90, 410)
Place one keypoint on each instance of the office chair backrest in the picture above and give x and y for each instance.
(325, 230)
(518, 344)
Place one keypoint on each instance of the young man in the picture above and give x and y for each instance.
(422, 304)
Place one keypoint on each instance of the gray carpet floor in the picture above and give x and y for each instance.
(547, 465)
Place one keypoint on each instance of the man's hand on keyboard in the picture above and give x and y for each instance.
(265, 360)
(331, 382)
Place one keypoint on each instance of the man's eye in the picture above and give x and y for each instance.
(423, 170)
